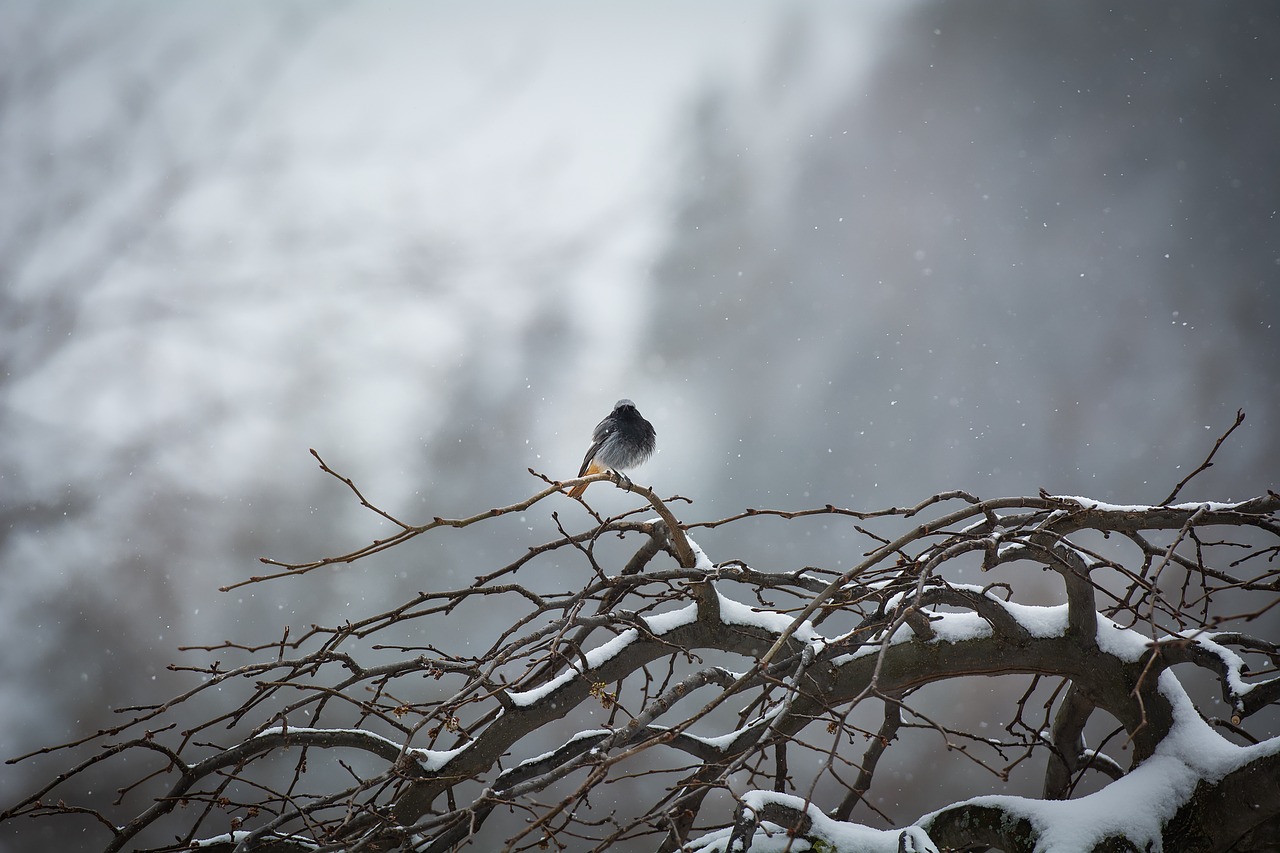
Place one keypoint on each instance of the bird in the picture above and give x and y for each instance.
(624, 439)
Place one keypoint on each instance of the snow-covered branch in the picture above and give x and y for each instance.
(741, 706)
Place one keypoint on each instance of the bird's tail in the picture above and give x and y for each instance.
(593, 468)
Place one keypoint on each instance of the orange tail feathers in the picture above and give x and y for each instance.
(593, 468)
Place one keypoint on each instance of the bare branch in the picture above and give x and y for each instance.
(1208, 460)
(416, 738)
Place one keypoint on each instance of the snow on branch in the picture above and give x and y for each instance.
(737, 708)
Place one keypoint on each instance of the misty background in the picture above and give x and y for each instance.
(837, 253)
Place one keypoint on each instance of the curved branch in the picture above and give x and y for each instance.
(1210, 652)
(1067, 738)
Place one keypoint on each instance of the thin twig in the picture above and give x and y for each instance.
(1208, 461)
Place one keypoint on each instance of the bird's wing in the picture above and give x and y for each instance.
(591, 455)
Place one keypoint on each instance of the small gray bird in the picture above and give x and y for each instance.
(624, 439)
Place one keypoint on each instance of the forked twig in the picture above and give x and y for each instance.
(1208, 461)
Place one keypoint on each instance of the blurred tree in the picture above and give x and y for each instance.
(91, 167)
(1033, 244)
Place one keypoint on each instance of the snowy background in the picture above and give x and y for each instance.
(837, 253)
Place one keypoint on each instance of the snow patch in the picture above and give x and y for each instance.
(662, 623)
(701, 563)
(595, 657)
(1123, 643)
(736, 613)
(770, 838)
(1043, 622)
(431, 760)
(959, 627)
